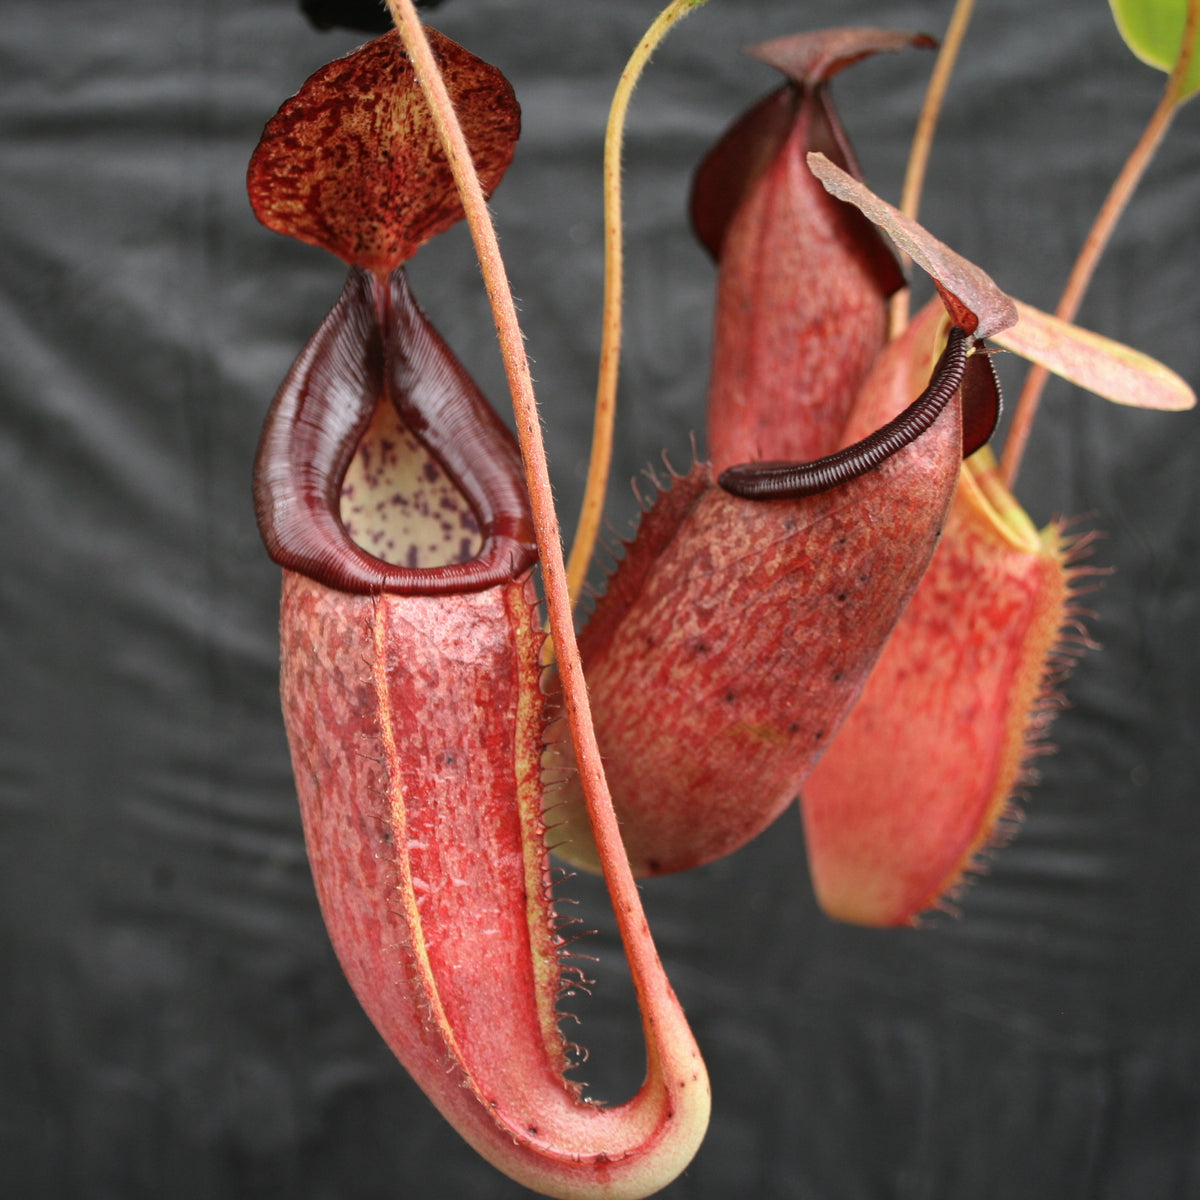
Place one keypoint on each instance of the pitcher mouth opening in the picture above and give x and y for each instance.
(375, 394)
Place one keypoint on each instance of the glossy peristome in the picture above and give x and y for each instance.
(377, 348)
(790, 481)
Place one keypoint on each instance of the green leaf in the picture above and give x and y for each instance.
(1153, 30)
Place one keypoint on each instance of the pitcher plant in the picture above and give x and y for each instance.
(842, 601)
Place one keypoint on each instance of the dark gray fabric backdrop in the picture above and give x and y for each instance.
(174, 1021)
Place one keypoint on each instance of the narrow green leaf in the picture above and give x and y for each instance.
(1153, 30)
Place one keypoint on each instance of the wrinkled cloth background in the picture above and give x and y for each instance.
(174, 1022)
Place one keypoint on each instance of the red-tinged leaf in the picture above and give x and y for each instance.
(352, 162)
(736, 634)
(913, 786)
(973, 300)
(1090, 360)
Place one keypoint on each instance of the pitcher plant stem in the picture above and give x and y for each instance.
(1098, 237)
(661, 1016)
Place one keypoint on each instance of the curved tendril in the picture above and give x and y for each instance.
(791, 481)
(592, 508)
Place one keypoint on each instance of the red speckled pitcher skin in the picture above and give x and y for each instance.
(394, 499)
